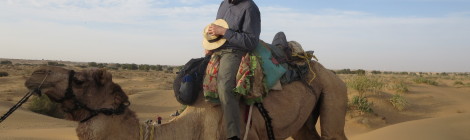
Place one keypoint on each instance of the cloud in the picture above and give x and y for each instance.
(162, 32)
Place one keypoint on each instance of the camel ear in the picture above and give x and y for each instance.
(101, 77)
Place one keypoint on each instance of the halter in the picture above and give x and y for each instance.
(69, 95)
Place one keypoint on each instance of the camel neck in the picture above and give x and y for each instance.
(117, 127)
(179, 128)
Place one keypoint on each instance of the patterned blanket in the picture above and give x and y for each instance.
(249, 79)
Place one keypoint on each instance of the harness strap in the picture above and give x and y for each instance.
(267, 119)
(69, 91)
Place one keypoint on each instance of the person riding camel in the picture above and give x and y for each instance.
(235, 32)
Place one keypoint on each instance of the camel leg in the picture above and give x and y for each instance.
(308, 130)
(332, 114)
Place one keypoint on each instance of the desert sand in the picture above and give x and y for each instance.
(434, 112)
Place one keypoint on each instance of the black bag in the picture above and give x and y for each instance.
(188, 82)
(280, 48)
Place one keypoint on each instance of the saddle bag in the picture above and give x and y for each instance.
(188, 82)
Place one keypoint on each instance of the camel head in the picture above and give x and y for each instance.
(82, 95)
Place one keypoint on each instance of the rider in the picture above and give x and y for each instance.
(242, 35)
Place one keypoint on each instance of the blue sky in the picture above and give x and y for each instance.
(394, 35)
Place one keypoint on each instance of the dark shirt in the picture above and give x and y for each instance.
(244, 23)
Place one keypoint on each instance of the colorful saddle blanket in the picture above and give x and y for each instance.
(256, 75)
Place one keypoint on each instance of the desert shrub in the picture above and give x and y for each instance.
(3, 74)
(344, 71)
(101, 65)
(360, 72)
(399, 87)
(443, 74)
(361, 104)
(92, 64)
(51, 63)
(43, 105)
(130, 66)
(399, 102)
(363, 84)
(458, 83)
(422, 80)
(376, 72)
(348, 71)
(6, 62)
(402, 73)
(144, 67)
(159, 68)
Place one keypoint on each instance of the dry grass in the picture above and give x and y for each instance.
(399, 102)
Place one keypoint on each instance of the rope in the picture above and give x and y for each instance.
(248, 123)
(23, 100)
(13, 109)
(141, 133)
(152, 132)
(307, 58)
(146, 131)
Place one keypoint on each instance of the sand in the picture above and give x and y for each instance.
(456, 127)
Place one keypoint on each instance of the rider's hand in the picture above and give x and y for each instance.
(216, 30)
(207, 52)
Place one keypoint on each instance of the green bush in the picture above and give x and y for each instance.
(4, 74)
(458, 83)
(144, 67)
(92, 64)
(6, 62)
(422, 80)
(130, 66)
(364, 84)
(50, 63)
(42, 105)
(399, 102)
(399, 87)
(361, 104)
(376, 72)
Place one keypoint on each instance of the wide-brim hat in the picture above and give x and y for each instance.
(210, 42)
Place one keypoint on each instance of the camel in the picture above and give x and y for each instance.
(91, 98)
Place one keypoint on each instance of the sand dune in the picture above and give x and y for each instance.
(455, 127)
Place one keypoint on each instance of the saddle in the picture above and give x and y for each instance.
(259, 71)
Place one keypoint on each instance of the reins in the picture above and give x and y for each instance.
(23, 100)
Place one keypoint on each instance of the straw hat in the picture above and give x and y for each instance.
(211, 42)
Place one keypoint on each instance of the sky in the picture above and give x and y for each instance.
(386, 35)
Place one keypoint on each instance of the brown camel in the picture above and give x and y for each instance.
(100, 106)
